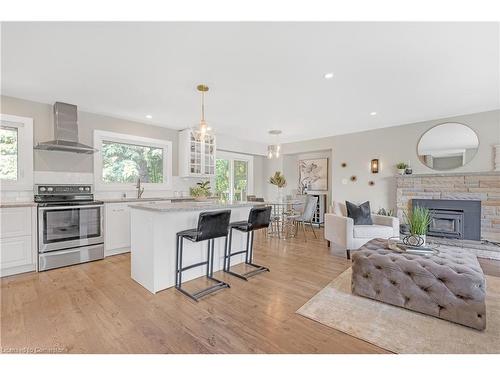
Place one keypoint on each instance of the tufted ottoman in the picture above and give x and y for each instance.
(449, 285)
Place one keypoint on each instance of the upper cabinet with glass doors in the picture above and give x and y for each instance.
(196, 156)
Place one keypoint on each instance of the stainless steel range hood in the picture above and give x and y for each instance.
(65, 131)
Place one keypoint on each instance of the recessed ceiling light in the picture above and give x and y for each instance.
(328, 76)
(149, 117)
(373, 113)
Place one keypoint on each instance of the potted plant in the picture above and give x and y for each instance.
(418, 223)
(201, 191)
(279, 181)
(401, 167)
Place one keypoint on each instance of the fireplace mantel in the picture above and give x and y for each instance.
(453, 174)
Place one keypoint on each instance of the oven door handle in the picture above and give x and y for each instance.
(70, 207)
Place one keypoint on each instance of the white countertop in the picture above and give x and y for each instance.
(9, 204)
(193, 206)
(125, 200)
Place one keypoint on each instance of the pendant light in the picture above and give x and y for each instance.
(202, 129)
(273, 150)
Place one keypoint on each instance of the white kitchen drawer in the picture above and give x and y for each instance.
(15, 222)
(16, 255)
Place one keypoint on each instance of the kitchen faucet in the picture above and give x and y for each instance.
(139, 189)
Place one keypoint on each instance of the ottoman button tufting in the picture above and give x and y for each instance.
(451, 287)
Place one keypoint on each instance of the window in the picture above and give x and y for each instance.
(240, 180)
(16, 152)
(8, 154)
(233, 176)
(123, 159)
(124, 163)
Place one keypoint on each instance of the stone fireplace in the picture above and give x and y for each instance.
(481, 187)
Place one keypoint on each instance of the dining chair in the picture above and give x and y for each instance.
(307, 215)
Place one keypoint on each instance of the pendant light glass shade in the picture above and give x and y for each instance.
(202, 129)
(274, 150)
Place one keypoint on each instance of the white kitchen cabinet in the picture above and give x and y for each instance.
(196, 156)
(18, 244)
(117, 226)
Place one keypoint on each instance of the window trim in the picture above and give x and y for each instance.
(101, 135)
(232, 156)
(24, 127)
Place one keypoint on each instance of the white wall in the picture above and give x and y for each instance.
(231, 144)
(58, 161)
(270, 192)
(43, 125)
(259, 180)
(65, 166)
(392, 145)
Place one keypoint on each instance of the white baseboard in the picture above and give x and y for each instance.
(108, 253)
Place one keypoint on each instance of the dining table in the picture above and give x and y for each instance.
(282, 217)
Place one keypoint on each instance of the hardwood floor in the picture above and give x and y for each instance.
(97, 308)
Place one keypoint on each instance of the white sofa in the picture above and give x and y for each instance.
(340, 229)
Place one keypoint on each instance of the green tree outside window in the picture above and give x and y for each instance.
(125, 163)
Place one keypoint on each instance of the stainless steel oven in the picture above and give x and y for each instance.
(63, 227)
(70, 225)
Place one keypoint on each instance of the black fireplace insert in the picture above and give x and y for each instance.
(453, 218)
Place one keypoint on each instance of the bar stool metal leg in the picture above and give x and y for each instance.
(248, 258)
(177, 261)
(209, 271)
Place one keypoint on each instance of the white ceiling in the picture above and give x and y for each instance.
(262, 76)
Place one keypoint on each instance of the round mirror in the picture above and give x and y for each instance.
(447, 146)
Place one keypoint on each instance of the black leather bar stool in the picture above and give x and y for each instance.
(258, 218)
(211, 225)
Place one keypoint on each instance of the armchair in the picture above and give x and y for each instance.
(341, 230)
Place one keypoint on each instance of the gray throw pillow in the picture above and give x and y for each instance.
(360, 214)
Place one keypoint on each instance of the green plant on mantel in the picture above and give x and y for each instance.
(202, 189)
(401, 165)
(418, 220)
(278, 179)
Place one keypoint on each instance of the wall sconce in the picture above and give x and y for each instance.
(374, 165)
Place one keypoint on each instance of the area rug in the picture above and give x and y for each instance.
(399, 330)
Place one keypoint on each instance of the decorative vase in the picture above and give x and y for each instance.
(401, 171)
(201, 198)
(281, 194)
(416, 240)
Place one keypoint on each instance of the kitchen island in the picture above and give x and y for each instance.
(153, 240)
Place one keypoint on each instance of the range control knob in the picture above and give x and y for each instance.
(80, 188)
(87, 188)
(50, 189)
(43, 188)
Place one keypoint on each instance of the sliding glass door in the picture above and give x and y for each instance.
(233, 179)
(222, 179)
(240, 180)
